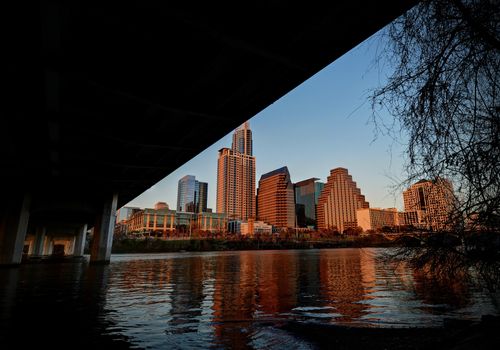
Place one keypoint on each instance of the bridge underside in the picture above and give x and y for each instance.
(107, 99)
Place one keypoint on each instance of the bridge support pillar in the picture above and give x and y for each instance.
(14, 216)
(80, 241)
(100, 252)
(39, 242)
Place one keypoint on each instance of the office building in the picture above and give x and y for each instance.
(434, 200)
(377, 218)
(306, 200)
(191, 195)
(275, 199)
(339, 201)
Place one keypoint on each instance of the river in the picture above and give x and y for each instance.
(233, 299)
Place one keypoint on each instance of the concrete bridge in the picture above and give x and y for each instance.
(103, 100)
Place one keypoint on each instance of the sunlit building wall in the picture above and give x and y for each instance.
(211, 222)
(158, 222)
(236, 177)
(275, 197)
(376, 218)
(339, 201)
(434, 199)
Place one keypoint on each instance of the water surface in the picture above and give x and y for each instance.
(221, 299)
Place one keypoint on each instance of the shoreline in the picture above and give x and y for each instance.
(130, 246)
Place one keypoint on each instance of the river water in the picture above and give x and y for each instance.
(220, 299)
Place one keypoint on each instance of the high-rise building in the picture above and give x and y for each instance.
(191, 195)
(236, 177)
(306, 200)
(339, 201)
(275, 199)
(242, 140)
(433, 199)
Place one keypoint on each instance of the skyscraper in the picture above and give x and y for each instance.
(191, 195)
(242, 140)
(306, 200)
(275, 199)
(236, 177)
(339, 201)
(433, 199)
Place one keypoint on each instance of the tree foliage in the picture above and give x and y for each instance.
(444, 94)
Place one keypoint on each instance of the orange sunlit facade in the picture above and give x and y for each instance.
(236, 177)
(339, 201)
(433, 199)
(275, 199)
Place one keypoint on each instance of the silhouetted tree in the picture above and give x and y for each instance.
(444, 95)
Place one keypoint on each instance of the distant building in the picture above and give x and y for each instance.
(236, 177)
(434, 200)
(168, 223)
(153, 222)
(249, 227)
(191, 195)
(413, 218)
(306, 200)
(124, 213)
(376, 218)
(275, 199)
(211, 222)
(161, 205)
(339, 202)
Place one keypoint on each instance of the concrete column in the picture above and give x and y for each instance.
(103, 232)
(39, 241)
(80, 241)
(13, 225)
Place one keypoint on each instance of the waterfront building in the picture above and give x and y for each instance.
(306, 201)
(275, 199)
(191, 195)
(339, 201)
(249, 227)
(236, 177)
(376, 218)
(211, 222)
(153, 222)
(434, 200)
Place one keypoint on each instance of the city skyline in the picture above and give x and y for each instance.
(318, 126)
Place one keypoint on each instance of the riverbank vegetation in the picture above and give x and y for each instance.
(258, 242)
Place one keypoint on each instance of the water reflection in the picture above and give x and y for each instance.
(221, 300)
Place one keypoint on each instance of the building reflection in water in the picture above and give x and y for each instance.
(347, 279)
(219, 299)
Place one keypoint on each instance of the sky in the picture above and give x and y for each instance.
(322, 124)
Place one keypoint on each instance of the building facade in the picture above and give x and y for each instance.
(306, 201)
(236, 177)
(170, 223)
(339, 202)
(376, 218)
(191, 195)
(275, 199)
(434, 201)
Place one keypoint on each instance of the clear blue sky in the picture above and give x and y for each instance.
(322, 124)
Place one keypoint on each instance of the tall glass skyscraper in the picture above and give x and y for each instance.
(192, 195)
(306, 198)
(236, 177)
